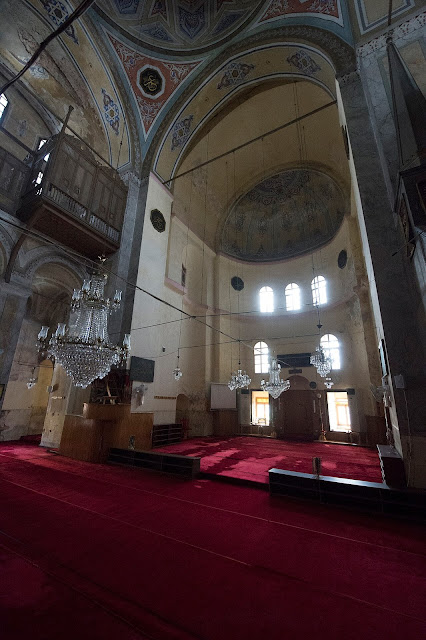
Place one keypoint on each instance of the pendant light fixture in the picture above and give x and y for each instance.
(84, 349)
(275, 386)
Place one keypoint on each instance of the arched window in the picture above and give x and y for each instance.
(331, 347)
(292, 297)
(319, 290)
(3, 104)
(261, 357)
(266, 299)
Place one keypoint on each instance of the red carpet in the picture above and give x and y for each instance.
(251, 458)
(91, 551)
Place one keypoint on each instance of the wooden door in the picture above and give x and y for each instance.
(293, 415)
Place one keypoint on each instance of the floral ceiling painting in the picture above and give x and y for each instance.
(283, 216)
(281, 8)
(153, 81)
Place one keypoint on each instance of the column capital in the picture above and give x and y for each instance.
(130, 178)
(349, 78)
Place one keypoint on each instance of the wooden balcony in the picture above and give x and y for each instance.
(74, 199)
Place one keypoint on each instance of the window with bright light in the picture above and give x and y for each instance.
(262, 411)
(3, 104)
(266, 299)
(261, 357)
(292, 297)
(319, 290)
(331, 347)
(40, 174)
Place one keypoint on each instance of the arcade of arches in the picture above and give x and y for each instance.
(267, 136)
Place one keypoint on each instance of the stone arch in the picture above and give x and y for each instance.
(50, 282)
(258, 67)
(244, 156)
(33, 260)
(52, 285)
(335, 53)
(7, 243)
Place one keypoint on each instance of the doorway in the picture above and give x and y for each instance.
(260, 408)
(338, 411)
(294, 415)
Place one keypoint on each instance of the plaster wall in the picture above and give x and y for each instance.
(147, 342)
(22, 120)
(162, 256)
(69, 72)
(205, 195)
(23, 409)
(346, 315)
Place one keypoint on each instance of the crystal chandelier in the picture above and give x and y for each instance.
(239, 380)
(177, 372)
(322, 362)
(83, 349)
(275, 386)
(328, 383)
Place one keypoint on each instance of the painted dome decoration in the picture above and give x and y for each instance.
(177, 24)
(286, 215)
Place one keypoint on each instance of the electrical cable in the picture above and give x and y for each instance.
(213, 344)
(91, 263)
(110, 272)
(188, 316)
(42, 46)
(245, 144)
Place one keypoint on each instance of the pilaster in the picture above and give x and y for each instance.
(393, 290)
(13, 304)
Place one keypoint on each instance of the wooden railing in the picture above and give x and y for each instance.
(66, 179)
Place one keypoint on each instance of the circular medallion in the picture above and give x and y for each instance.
(237, 283)
(158, 221)
(342, 259)
(151, 81)
(313, 385)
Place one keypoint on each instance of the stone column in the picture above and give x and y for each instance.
(393, 290)
(126, 261)
(56, 408)
(13, 304)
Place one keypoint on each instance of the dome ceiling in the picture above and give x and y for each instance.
(291, 213)
(180, 25)
(195, 26)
